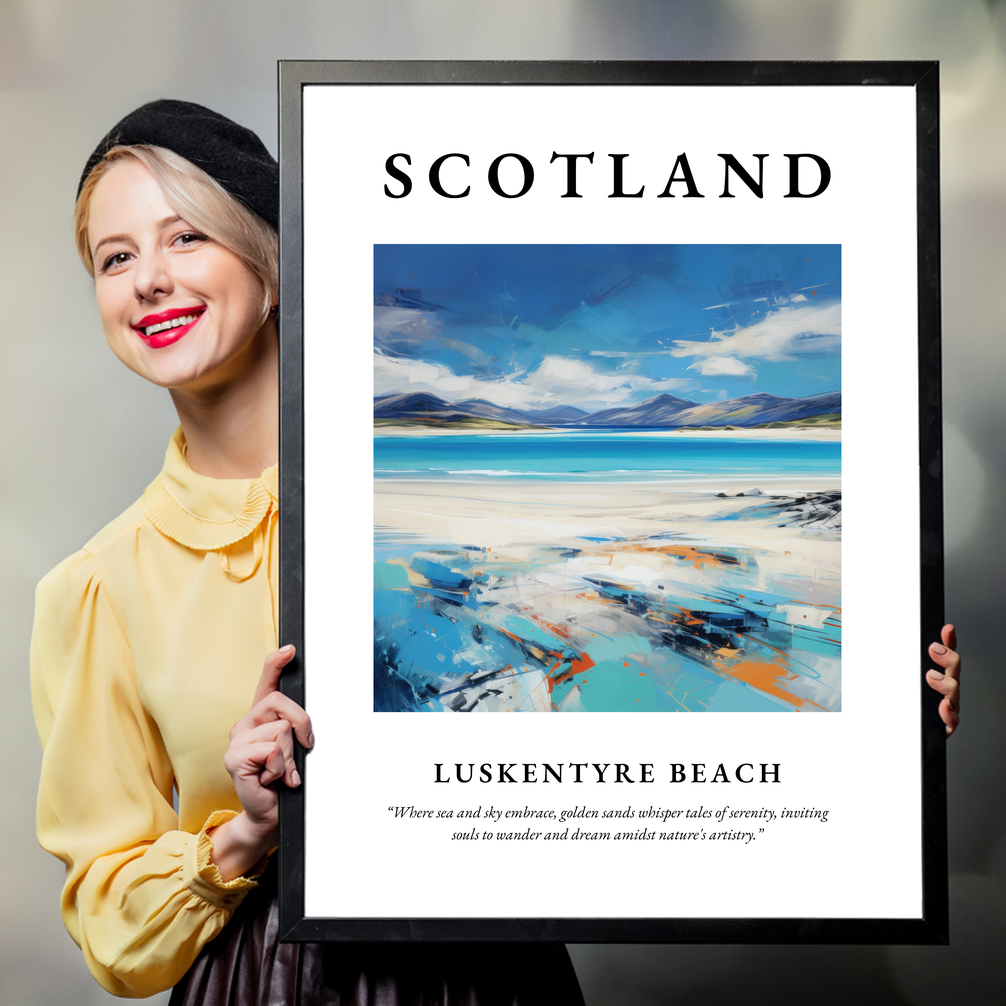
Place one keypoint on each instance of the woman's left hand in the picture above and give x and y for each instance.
(260, 754)
(948, 681)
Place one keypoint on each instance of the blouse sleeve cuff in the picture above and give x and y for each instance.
(202, 876)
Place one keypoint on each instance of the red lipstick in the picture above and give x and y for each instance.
(165, 332)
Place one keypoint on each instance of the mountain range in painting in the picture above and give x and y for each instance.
(664, 411)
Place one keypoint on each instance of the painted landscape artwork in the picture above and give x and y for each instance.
(607, 478)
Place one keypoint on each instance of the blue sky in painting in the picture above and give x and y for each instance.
(537, 326)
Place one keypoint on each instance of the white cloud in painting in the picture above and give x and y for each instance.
(393, 373)
(562, 380)
(782, 336)
(722, 366)
(557, 380)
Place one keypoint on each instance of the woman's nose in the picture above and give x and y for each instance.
(152, 277)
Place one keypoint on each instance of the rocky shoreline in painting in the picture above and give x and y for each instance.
(822, 511)
(725, 600)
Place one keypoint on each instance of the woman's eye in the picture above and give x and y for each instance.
(114, 261)
(189, 238)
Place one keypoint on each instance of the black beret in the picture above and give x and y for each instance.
(231, 154)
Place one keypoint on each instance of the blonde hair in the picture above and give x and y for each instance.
(199, 200)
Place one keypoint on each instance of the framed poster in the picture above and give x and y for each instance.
(581, 363)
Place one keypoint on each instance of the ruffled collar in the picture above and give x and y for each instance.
(203, 513)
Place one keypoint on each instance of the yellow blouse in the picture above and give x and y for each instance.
(147, 647)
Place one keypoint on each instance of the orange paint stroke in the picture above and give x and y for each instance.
(686, 617)
(561, 631)
(578, 665)
(767, 676)
(696, 556)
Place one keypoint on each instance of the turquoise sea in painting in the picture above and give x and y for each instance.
(601, 457)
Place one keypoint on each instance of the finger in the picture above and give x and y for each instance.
(276, 706)
(949, 636)
(949, 688)
(951, 717)
(944, 684)
(948, 659)
(271, 670)
(949, 708)
(273, 708)
(259, 760)
(274, 766)
(280, 733)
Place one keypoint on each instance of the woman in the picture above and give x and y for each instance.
(148, 643)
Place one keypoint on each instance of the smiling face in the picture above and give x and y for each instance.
(177, 307)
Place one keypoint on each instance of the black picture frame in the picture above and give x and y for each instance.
(932, 925)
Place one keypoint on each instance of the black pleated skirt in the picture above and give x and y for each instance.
(246, 965)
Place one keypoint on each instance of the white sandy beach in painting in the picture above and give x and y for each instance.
(500, 514)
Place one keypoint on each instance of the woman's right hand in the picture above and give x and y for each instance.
(948, 681)
(260, 753)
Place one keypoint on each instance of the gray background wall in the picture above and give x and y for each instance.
(81, 436)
